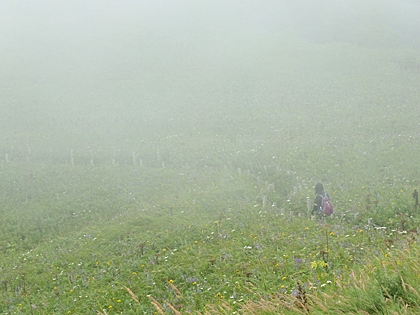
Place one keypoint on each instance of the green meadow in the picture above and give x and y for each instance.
(194, 199)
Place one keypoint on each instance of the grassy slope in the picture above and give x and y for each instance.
(72, 236)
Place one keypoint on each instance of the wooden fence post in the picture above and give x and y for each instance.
(71, 157)
(308, 205)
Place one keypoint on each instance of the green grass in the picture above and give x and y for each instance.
(74, 236)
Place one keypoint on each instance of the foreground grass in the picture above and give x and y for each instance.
(217, 247)
(388, 284)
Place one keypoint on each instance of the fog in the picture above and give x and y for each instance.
(177, 144)
(69, 68)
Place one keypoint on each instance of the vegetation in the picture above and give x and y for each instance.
(210, 212)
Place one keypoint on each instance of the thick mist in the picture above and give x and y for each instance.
(163, 156)
(78, 72)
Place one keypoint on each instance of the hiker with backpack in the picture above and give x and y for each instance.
(322, 203)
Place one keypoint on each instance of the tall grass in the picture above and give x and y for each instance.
(386, 285)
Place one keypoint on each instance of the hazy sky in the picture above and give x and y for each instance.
(77, 56)
(117, 38)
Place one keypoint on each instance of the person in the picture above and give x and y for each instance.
(319, 191)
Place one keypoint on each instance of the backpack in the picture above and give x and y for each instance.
(326, 204)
